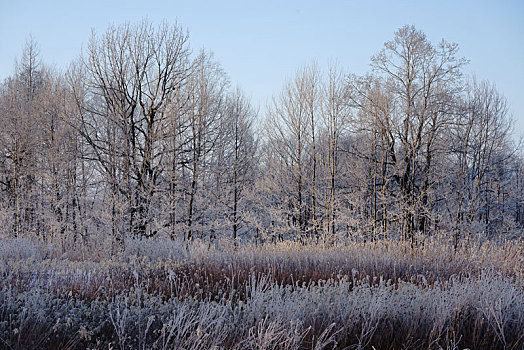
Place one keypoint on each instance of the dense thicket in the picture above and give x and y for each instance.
(142, 137)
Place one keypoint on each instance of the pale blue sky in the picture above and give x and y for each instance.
(261, 43)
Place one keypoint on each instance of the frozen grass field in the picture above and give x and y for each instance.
(168, 295)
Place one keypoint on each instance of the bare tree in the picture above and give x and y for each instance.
(335, 117)
(20, 138)
(132, 74)
(423, 80)
(480, 145)
(240, 153)
(288, 130)
(206, 94)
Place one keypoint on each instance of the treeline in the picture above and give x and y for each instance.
(142, 137)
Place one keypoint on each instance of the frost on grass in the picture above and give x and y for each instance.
(282, 296)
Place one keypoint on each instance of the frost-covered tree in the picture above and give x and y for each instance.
(132, 73)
